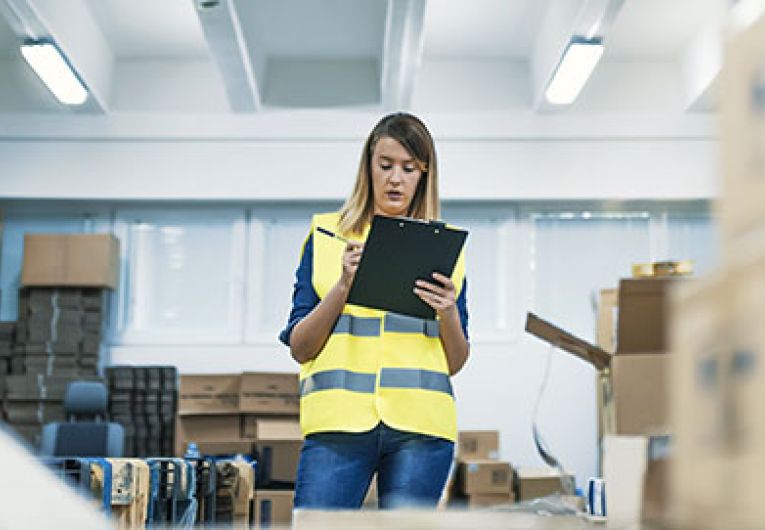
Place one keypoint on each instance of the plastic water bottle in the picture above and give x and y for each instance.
(192, 452)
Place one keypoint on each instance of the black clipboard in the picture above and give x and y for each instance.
(397, 252)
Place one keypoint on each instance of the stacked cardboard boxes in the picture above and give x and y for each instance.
(33, 400)
(533, 483)
(62, 315)
(7, 336)
(718, 386)
(253, 414)
(632, 384)
(481, 478)
(60, 330)
(144, 400)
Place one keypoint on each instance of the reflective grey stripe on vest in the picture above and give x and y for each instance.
(338, 380)
(414, 378)
(358, 326)
(406, 324)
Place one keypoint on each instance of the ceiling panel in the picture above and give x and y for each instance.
(482, 29)
(150, 29)
(659, 29)
(329, 29)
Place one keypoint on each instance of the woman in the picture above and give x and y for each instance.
(375, 390)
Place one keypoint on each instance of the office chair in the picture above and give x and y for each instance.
(85, 434)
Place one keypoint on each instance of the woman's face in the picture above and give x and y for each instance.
(395, 175)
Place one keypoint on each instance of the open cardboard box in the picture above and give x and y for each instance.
(633, 385)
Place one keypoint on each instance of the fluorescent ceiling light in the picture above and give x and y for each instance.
(574, 69)
(54, 70)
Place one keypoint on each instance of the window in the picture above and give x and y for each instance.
(276, 243)
(183, 277)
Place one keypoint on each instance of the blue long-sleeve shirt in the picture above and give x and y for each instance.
(304, 297)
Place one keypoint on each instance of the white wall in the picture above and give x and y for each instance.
(622, 140)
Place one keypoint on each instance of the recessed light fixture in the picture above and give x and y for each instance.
(573, 70)
(51, 66)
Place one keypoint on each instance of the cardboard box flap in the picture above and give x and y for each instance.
(269, 384)
(278, 430)
(568, 342)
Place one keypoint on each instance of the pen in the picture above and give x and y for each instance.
(331, 234)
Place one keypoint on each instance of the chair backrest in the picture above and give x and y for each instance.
(86, 399)
(93, 438)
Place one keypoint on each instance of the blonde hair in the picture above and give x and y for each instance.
(412, 134)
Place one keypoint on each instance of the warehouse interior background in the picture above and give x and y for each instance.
(208, 140)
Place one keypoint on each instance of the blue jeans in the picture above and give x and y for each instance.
(336, 468)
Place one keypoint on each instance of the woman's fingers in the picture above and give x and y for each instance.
(446, 289)
(444, 280)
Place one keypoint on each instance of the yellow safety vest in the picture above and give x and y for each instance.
(376, 365)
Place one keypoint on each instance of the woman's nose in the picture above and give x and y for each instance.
(395, 174)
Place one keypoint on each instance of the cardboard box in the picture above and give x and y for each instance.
(477, 445)
(608, 306)
(34, 412)
(272, 507)
(484, 476)
(278, 450)
(240, 447)
(481, 500)
(642, 320)
(636, 478)
(534, 483)
(78, 260)
(741, 143)
(631, 403)
(217, 428)
(639, 393)
(209, 394)
(624, 466)
(702, 412)
(271, 427)
(269, 393)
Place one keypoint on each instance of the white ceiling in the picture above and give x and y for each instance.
(141, 29)
(480, 29)
(328, 29)
(334, 35)
(659, 29)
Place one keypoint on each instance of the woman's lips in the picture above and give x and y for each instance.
(394, 195)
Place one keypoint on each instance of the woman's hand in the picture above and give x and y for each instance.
(351, 257)
(442, 298)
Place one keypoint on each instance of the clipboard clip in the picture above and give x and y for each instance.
(437, 226)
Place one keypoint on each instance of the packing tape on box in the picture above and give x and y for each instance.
(55, 317)
(41, 386)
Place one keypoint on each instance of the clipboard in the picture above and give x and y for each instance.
(397, 252)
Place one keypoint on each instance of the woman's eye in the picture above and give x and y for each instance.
(409, 169)
(385, 167)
